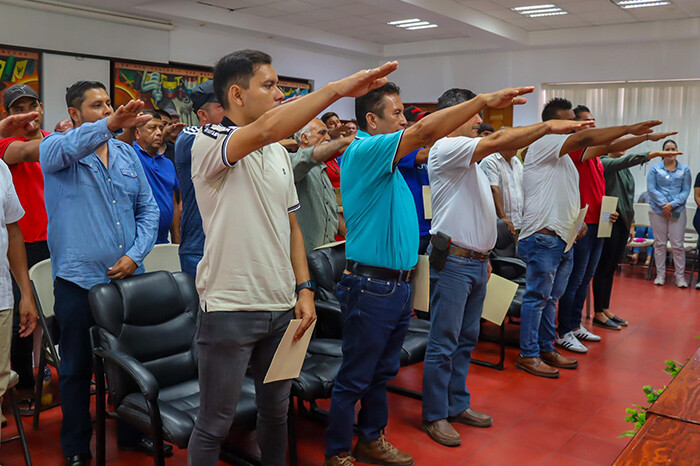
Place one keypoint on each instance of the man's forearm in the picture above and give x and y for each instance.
(509, 139)
(17, 256)
(594, 137)
(443, 122)
(500, 212)
(298, 251)
(22, 151)
(323, 152)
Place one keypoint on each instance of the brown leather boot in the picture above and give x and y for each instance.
(381, 452)
(472, 418)
(536, 366)
(442, 432)
(554, 358)
(343, 459)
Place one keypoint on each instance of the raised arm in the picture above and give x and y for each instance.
(323, 152)
(281, 121)
(517, 138)
(624, 143)
(441, 123)
(603, 136)
(13, 123)
(612, 165)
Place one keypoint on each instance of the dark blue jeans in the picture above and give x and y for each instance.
(548, 270)
(75, 319)
(189, 263)
(586, 256)
(376, 314)
(456, 302)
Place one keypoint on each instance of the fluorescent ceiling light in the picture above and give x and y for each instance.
(427, 26)
(532, 7)
(546, 10)
(410, 25)
(403, 21)
(642, 5)
(549, 14)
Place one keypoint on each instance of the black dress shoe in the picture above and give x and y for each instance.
(145, 446)
(78, 460)
(609, 324)
(619, 321)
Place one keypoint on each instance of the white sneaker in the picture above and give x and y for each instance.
(681, 283)
(697, 286)
(569, 342)
(583, 334)
(660, 280)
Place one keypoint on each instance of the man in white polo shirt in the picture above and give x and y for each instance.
(253, 251)
(505, 173)
(550, 186)
(463, 210)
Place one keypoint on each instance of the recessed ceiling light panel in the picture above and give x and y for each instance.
(627, 4)
(537, 11)
(412, 24)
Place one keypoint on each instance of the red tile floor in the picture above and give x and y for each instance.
(574, 420)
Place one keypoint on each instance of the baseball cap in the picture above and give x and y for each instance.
(414, 113)
(17, 92)
(202, 94)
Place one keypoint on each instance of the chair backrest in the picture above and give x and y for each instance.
(42, 282)
(163, 257)
(326, 268)
(151, 317)
(505, 241)
(641, 214)
(690, 215)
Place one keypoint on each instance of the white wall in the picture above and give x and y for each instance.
(424, 79)
(60, 71)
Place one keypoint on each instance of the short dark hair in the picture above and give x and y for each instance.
(156, 114)
(160, 113)
(75, 95)
(550, 111)
(327, 116)
(454, 96)
(485, 127)
(667, 141)
(373, 102)
(581, 109)
(237, 68)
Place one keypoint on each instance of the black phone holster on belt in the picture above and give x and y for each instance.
(441, 246)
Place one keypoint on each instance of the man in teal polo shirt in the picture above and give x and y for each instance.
(382, 252)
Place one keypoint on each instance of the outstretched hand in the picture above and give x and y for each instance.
(663, 154)
(568, 126)
(362, 82)
(645, 127)
(128, 116)
(507, 97)
(13, 123)
(659, 136)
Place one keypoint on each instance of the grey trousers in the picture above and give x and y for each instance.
(228, 342)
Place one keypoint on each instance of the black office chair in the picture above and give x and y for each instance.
(505, 262)
(144, 341)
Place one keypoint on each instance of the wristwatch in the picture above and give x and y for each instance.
(309, 284)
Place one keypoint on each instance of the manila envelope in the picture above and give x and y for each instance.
(499, 294)
(421, 285)
(289, 357)
(575, 228)
(427, 203)
(329, 245)
(608, 206)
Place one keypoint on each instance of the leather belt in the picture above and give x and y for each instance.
(380, 273)
(468, 253)
(547, 231)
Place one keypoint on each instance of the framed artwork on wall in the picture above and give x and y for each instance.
(295, 87)
(19, 66)
(160, 87)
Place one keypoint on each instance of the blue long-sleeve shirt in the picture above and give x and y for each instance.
(672, 187)
(191, 232)
(96, 214)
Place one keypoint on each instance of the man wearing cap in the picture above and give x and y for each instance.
(414, 169)
(20, 152)
(318, 212)
(209, 111)
(160, 173)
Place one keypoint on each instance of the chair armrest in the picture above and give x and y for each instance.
(329, 323)
(497, 262)
(146, 381)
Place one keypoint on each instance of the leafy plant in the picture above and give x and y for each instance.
(637, 415)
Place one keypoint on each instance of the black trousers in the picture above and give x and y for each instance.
(21, 354)
(613, 251)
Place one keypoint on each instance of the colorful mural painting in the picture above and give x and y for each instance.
(164, 87)
(294, 87)
(18, 67)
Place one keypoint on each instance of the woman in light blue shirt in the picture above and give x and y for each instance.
(668, 183)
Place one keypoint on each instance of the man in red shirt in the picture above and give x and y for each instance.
(587, 250)
(20, 152)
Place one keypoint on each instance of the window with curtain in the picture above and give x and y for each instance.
(676, 103)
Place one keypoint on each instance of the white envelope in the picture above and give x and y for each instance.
(575, 228)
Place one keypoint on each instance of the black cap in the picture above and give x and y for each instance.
(414, 113)
(202, 94)
(17, 92)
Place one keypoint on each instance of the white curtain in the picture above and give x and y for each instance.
(676, 103)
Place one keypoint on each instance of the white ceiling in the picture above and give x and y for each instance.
(359, 26)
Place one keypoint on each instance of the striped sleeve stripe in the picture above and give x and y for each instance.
(223, 151)
(294, 208)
